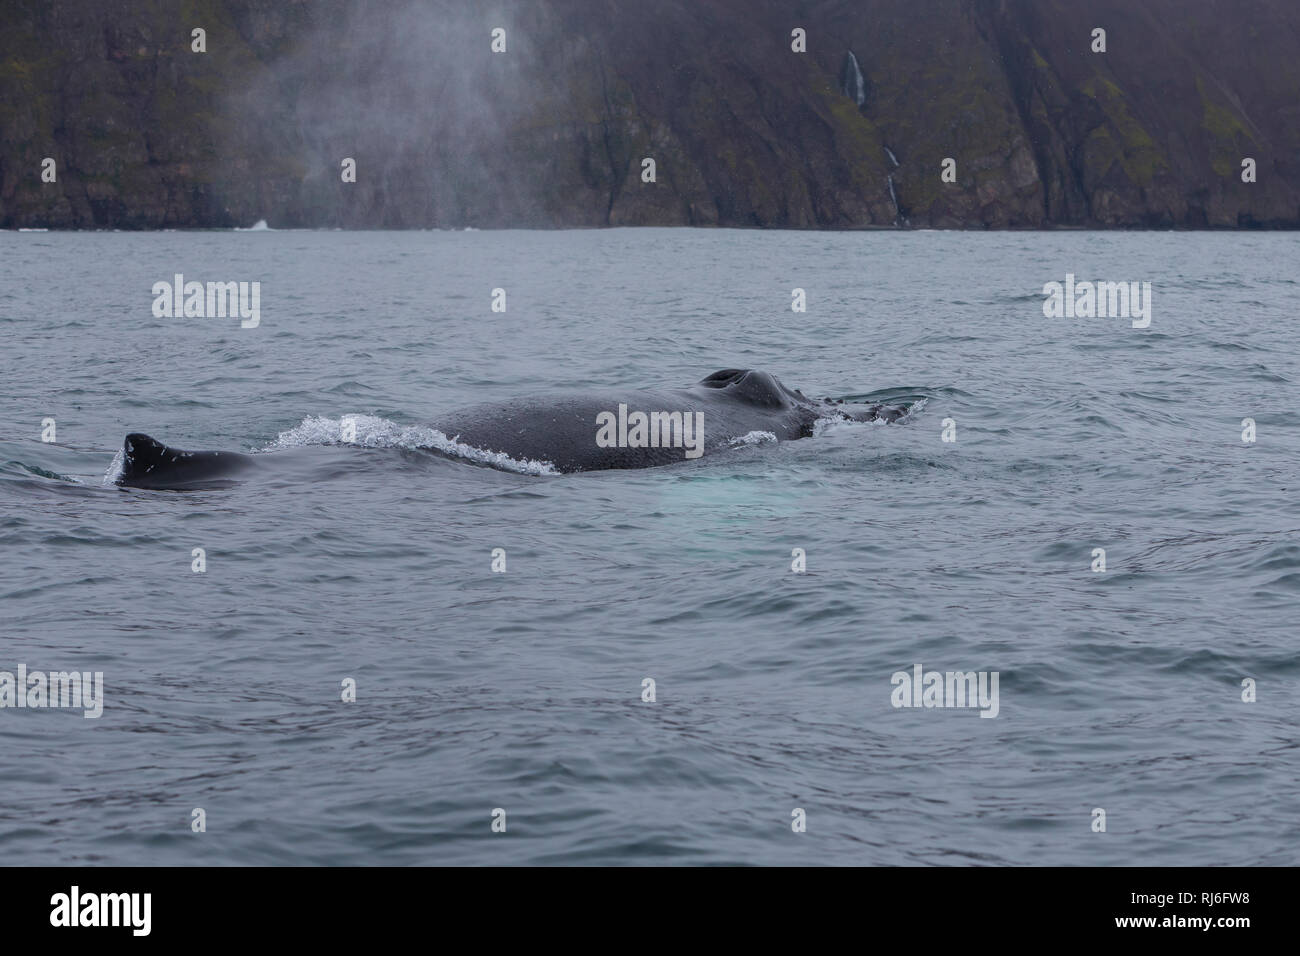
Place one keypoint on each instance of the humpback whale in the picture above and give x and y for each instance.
(578, 431)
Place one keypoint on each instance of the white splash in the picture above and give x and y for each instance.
(115, 468)
(753, 438)
(370, 431)
(834, 423)
(259, 226)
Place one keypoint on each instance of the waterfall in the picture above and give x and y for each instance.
(851, 82)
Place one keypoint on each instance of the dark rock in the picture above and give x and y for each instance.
(743, 131)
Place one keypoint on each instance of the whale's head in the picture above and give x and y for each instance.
(764, 390)
(753, 387)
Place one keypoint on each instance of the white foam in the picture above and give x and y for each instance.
(835, 423)
(115, 468)
(753, 438)
(259, 226)
(823, 425)
(370, 431)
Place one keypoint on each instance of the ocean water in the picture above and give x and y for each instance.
(522, 691)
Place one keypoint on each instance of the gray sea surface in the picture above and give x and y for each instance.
(522, 691)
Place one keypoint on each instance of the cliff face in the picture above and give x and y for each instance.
(744, 131)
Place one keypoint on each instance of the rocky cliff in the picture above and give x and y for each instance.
(744, 130)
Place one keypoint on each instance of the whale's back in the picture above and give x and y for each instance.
(572, 431)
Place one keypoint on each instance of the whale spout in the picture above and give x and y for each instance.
(148, 463)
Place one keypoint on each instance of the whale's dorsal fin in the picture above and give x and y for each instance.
(148, 463)
(142, 455)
